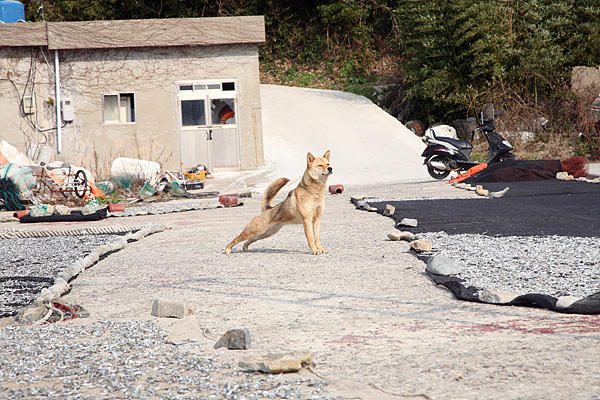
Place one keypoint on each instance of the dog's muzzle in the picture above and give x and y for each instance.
(328, 171)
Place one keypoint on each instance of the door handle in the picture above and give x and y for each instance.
(209, 134)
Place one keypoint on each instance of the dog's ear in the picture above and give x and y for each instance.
(326, 155)
(310, 158)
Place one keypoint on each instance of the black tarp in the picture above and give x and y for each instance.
(566, 208)
(547, 207)
(73, 216)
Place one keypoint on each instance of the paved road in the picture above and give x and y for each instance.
(378, 327)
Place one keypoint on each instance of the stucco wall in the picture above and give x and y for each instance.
(25, 72)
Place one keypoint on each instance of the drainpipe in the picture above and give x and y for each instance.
(58, 105)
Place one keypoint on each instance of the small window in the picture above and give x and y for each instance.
(227, 86)
(119, 108)
(186, 87)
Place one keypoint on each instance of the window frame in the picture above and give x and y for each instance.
(211, 91)
(131, 117)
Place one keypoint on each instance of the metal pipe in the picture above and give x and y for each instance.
(58, 105)
(439, 165)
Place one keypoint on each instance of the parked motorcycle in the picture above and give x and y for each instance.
(444, 155)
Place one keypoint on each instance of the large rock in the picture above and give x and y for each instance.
(389, 210)
(566, 301)
(496, 297)
(439, 264)
(421, 245)
(234, 339)
(410, 222)
(277, 363)
(481, 191)
(164, 308)
(32, 314)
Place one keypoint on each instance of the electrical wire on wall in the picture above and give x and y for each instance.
(29, 91)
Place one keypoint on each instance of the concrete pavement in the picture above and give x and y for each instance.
(378, 327)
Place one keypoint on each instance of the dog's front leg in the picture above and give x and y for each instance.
(317, 228)
(308, 232)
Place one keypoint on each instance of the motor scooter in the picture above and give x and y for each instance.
(444, 155)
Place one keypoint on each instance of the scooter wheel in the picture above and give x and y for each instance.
(436, 173)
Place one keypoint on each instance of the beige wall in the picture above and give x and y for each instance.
(25, 72)
(149, 73)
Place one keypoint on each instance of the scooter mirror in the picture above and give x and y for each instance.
(487, 113)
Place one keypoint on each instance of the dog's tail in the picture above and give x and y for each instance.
(271, 192)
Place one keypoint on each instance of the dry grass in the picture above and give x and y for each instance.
(546, 129)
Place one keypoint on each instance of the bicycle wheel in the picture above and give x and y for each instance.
(80, 184)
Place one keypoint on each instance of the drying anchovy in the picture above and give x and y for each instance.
(28, 265)
(551, 265)
(129, 360)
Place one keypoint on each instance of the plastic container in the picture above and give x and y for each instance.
(113, 208)
(194, 184)
(19, 214)
(228, 201)
(11, 11)
(200, 175)
(336, 189)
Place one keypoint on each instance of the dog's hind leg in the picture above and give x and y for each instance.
(254, 228)
(271, 230)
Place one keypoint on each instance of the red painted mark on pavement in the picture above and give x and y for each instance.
(578, 324)
(354, 339)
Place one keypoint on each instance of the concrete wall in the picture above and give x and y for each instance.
(25, 72)
(149, 73)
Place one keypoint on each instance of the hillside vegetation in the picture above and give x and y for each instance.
(427, 60)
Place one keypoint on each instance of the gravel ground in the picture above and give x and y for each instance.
(551, 265)
(28, 265)
(128, 360)
(112, 359)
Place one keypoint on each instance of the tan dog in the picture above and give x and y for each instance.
(303, 205)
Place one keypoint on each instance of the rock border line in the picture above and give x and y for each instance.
(13, 233)
(61, 281)
(565, 304)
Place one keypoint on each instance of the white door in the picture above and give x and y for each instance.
(208, 125)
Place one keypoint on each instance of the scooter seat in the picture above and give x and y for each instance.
(461, 144)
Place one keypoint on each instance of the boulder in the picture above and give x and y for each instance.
(389, 210)
(411, 222)
(440, 264)
(421, 245)
(566, 301)
(497, 194)
(234, 339)
(481, 191)
(495, 297)
(164, 308)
